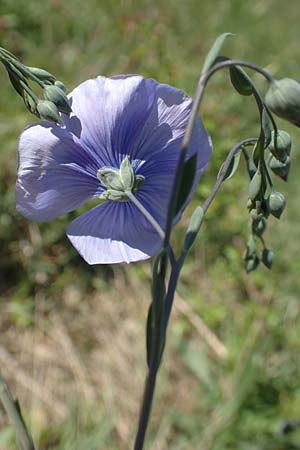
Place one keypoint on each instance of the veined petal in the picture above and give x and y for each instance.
(112, 233)
(109, 114)
(159, 172)
(55, 175)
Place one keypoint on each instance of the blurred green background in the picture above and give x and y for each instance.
(72, 336)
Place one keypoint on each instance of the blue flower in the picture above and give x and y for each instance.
(125, 133)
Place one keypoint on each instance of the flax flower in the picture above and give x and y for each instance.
(121, 143)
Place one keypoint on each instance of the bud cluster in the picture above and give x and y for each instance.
(264, 200)
(55, 100)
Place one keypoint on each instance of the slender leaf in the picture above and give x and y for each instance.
(234, 163)
(240, 81)
(187, 180)
(193, 228)
(214, 52)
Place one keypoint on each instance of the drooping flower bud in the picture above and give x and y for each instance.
(267, 257)
(276, 203)
(48, 111)
(283, 99)
(251, 263)
(280, 145)
(58, 97)
(259, 227)
(280, 168)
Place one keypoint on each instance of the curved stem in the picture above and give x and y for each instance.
(223, 171)
(190, 126)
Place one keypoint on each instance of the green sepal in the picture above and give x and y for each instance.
(111, 178)
(233, 166)
(127, 174)
(193, 228)
(187, 180)
(113, 195)
(240, 81)
(138, 183)
(214, 52)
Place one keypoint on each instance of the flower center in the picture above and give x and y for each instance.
(119, 182)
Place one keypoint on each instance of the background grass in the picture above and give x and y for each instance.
(72, 336)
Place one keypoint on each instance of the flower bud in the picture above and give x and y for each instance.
(61, 86)
(48, 111)
(255, 185)
(251, 264)
(276, 203)
(42, 74)
(283, 99)
(259, 227)
(58, 97)
(280, 168)
(280, 145)
(267, 257)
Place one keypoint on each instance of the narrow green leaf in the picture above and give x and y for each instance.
(240, 80)
(155, 310)
(214, 52)
(258, 148)
(266, 126)
(193, 228)
(234, 163)
(188, 176)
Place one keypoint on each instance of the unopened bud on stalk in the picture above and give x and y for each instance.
(48, 111)
(280, 145)
(251, 264)
(280, 168)
(276, 203)
(283, 99)
(259, 227)
(267, 258)
(42, 74)
(61, 86)
(55, 95)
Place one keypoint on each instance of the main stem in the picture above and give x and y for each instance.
(152, 374)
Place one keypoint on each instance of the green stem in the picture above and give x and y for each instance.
(13, 411)
(203, 80)
(148, 216)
